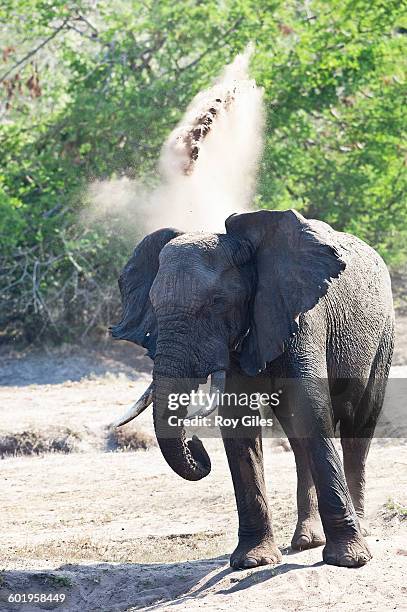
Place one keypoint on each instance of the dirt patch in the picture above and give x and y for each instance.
(70, 363)
(399, 289)
(400, 348)
(129, 534)
(120, 531)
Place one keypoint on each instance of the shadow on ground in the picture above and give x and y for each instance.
(118, 587)
(105, 586)
(71, 363)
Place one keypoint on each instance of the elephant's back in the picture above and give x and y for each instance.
(366, 275)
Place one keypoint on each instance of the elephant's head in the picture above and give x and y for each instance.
(194, 299)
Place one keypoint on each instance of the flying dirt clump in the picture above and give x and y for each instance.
(207, 165)
(185, 142)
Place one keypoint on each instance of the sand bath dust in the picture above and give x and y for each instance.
(207, 165)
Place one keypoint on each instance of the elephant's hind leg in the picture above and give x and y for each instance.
(357, 431)
(355, 451)
(308, 532)
(313, 428)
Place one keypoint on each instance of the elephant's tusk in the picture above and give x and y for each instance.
(218, 382)
(145, 400)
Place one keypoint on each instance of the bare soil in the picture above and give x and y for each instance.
(116, 530)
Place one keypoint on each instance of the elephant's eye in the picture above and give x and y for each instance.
(217, 300)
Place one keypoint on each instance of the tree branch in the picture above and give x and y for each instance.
(34, 51)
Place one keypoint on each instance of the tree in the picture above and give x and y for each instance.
(91, 91)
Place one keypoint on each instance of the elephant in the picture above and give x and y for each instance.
(276, 297)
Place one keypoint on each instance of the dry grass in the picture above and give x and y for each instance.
(33, 442)
(37, 443)
(393, 509)
(152, 549)
(128, 439)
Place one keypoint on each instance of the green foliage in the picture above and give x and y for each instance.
(91, 91)
(335, 144)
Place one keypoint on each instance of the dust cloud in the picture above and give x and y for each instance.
(207, 165)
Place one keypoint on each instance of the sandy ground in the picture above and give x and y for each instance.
(116, 531)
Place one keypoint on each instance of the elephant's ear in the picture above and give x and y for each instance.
(295, 259)
(138, 322)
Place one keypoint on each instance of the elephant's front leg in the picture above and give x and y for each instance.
(244, 451)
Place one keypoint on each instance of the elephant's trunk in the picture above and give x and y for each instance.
(188, 458)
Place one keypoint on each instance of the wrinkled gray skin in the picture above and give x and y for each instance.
(275, 297)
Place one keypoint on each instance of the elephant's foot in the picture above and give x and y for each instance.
(308, 534)
(254, 551)
(347, 553)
